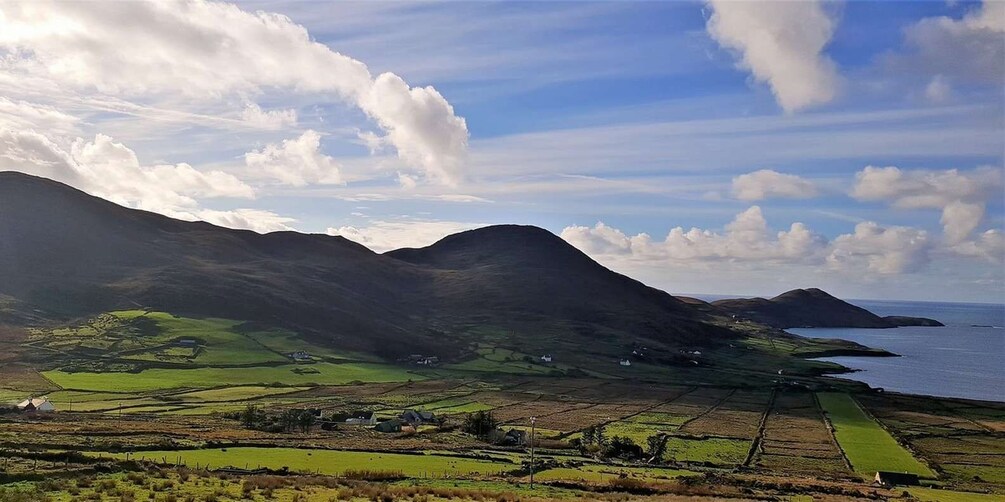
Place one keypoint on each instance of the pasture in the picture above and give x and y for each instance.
(331, 462)
(194, 378)
(868, 446)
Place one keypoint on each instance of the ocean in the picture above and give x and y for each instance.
(966, 358)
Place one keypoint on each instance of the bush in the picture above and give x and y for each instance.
(480, 424)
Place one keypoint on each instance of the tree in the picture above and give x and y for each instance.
(598, 434)
(623, 447)
(480, 423)
(252, 417)
(290, 419)
(656, 446)
(589, 435)
(306, 420)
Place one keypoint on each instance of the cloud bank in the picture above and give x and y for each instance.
(111, 170)
(215, 51)
(749, 240)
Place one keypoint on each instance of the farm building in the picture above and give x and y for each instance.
(625, 362)
(515, 437)
(392, 425)
(888, 479)
(187, 342)
(300, 356)
(546, 358)
(418, 417)
(36, 404)
(356, 418)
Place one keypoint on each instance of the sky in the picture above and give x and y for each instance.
(737, 148)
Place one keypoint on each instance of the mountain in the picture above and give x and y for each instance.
(68, 254)
(812, 308)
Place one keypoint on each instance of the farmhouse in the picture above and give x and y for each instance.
(41, 404)
(546, 358)
(392, 425)
(356, 418)
(889, 479)
(418, 417)
(300, 356)
(625, 361)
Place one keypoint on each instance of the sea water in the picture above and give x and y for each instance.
(966, 358)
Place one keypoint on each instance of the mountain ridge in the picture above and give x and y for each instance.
(69, 253)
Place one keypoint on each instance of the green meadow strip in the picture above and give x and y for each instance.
(331, 462)
(868, 446)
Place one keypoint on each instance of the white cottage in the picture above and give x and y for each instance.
(37, 404)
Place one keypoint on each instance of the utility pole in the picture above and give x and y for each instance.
(533, 420)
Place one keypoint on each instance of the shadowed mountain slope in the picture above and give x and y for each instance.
(69, 254)
(812, 308)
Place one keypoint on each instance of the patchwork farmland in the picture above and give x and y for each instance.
(131, 388)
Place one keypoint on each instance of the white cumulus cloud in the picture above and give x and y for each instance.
(747, 242)
(969, 48)
(296, 162)
(212, 50)
(767, 184)
(257, 220)
(385, 235)
(960, 195)
(111, 170)
(782, 44)
(268, 119)
(883, 250)
(746, 238)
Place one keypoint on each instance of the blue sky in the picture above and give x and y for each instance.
(854, 146)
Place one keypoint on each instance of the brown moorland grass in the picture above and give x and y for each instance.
(796, 439)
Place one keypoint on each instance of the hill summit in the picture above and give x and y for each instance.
(812, 308)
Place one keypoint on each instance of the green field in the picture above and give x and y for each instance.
(138, 335)
(331, 462)
(934, 495)
(868, 446)
(601, 473)
(290, 374)
(238, 393)
(720, 451)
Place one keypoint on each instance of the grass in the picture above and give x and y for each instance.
(162, 378)
(499, 360)
(868, 446)
(935, 495)
(141, 336)
(602, 473)
(718, 451)
(990, 474)
(332, 462)
(456, 405)
(236, 393)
